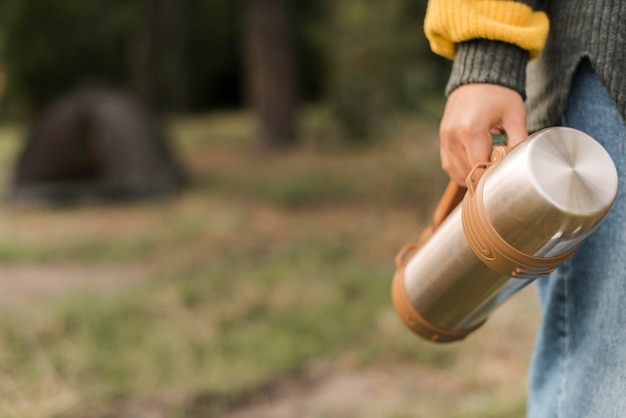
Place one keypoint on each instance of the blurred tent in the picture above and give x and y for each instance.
(95, 143)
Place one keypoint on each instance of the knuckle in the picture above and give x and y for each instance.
(466, 129)
(458, 131)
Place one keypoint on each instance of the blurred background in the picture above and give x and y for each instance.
(202, 200)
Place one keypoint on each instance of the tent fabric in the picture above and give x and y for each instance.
(96, 143)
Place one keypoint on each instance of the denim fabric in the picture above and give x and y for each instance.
(578, 367)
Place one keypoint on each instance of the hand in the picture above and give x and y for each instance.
(472, 114)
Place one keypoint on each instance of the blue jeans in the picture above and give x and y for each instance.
(578, 367)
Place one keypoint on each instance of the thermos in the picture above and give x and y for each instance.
(523, 214)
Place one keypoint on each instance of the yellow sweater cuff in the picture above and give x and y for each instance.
(450, 22)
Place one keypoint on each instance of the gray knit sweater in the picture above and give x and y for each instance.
(579, 29)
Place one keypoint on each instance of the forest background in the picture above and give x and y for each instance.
(308, 133)
(362, 58)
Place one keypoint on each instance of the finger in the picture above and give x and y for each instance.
(516, 133)
(454, 156)
(514, 126)
(478, 150)
(452, 162)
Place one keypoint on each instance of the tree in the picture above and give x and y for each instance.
(271, 70)
(50, 46)
(381, 63)
(158, 65)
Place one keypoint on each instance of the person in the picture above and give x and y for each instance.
(520, 66)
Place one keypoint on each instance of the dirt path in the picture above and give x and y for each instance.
(33, 283)
(355, 394)
(395, 391)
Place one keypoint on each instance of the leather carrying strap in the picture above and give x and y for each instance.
(451, 198)
(482, 238)
(484, 241)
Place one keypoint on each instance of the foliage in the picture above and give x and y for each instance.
(213, 52)
(51, 45)
(367, 57)
(381, 62)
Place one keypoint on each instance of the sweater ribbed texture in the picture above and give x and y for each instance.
(481, 60)
(579, 29)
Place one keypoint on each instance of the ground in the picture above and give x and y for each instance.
(261, 291)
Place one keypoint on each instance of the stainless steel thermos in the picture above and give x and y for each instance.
(523, 214)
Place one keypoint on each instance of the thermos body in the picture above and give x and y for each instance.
(540, 201)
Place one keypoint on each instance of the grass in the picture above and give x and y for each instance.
(270, 267)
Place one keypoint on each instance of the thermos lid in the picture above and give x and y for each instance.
(573, 171)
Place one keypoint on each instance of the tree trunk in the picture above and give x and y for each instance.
(157, 63)
(271, 70)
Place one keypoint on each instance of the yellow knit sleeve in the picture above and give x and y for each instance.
(449, 22)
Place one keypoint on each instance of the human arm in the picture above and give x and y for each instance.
(491, 43)
(473, 113)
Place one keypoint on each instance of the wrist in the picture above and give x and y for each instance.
(491, 62)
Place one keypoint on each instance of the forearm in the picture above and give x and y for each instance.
(490, 41)
(491, 62)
